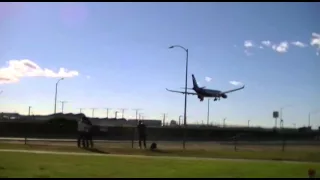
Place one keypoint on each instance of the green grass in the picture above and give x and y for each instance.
(48, 165)
(307, 155)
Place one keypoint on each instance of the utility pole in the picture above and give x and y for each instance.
(224, 122)
(180, 120)
(93, 109)
(137, 112)
(108, 112)
(164, 119)
(140, 116)
(309, 116)
(134, 129)
(29, 111)
(62, 105)
(248, 123)
(122, 112)
(115, 114)
(81, 110)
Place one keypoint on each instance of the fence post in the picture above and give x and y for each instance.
(25, 136)
(235, 141)
(283, 144)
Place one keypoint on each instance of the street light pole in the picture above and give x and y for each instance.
(55, 96)
(208, 114)
(185, 95)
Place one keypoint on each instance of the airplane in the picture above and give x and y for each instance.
(202, 92)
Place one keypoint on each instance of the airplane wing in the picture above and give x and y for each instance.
(225, 92)
(189, 93)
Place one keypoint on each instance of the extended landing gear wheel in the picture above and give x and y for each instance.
(215, 99)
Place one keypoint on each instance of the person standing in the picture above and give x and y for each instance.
(88, 133)
(81, 132)
(142, 134)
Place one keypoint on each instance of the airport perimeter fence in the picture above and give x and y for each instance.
(205, 138)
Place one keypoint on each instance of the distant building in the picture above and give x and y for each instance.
(147, 122)
(173, 123)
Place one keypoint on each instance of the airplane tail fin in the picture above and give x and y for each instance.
(194, 81)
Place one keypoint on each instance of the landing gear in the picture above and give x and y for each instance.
(200, 98)
(215, 99)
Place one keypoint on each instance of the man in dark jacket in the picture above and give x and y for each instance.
(142, 134)
(88, 133)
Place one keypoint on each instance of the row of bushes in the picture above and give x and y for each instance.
(61, 128)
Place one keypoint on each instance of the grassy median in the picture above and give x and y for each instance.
(310, 156)
(49, 165)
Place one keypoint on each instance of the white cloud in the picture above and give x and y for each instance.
(236, 83)
(208, 79)
(299, 44)
(17, 69)
(88, 77)
(266, 43)
(261, 47)
(248, 44)
(281, 48)
(315, 41)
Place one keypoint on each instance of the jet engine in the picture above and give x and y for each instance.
(200, 97)
(224, 96)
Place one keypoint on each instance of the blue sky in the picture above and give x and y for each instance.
(123, 48)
